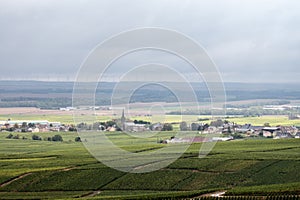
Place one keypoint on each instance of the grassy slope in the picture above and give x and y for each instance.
(242, 167)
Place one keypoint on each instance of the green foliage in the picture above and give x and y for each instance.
(140, 122)
(77, 139)
(36, 137)
(72, 129)
(158, 180)
(47, 138)
(89, 179)
(167, 127)
(57, 138)
(237, 136)
(9, 136)
(272, 189)
(183, 126)
(16, 137)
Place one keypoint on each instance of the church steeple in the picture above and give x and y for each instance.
(123, 119)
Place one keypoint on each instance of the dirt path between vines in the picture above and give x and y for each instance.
(214, 194)
(14, 179)
(91, 194)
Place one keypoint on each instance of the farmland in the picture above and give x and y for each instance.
(42, 169)
(67, 117)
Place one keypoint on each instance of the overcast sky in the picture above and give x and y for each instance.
(250, 41)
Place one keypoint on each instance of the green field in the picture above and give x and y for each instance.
(42, 169)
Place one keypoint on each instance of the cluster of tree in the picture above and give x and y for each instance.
(105, 125)
(72, 128)
(193, 127)
(11, 136)
(98, 125)
(55, 138)
(199, 127)
(167, 127)
(217, 123)
(203, 119)
(38, 102)
(161, 127)
(140, 122)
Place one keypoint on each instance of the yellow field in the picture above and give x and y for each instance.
(68, 118)
(259, 121)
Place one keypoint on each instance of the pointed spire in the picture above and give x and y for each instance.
(123, 117)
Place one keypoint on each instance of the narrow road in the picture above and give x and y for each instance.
(14, 179)
(218, 194)
(91, 194)
(214, 194)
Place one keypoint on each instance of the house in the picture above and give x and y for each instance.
(54, 126)
(249, 129)
(268, 131)
(267, 134)
(130, 126)
(174, 140)
(281, 135)
(289, 129)
(212, 129)
(111, 129)
(244, 129)
(255, 130)
(156, 127)
(34, 130)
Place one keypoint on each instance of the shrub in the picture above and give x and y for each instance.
(16, 137)
(48, 139)
(57, 138)
(77, 139)
(36, 137)
(71, 129)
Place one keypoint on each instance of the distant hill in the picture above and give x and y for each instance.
(59, 94)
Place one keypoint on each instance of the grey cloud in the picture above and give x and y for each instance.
(49, 39)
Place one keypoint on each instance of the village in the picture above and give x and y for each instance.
(225, 129)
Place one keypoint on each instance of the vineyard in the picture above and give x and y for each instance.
(248, 169)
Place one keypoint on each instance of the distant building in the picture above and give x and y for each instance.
(156, 127)
(268, 131)
(131, 126)
(31, 125)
